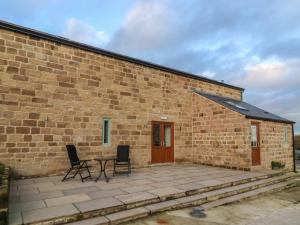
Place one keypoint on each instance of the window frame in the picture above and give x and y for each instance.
(285, 134)
(108, 120)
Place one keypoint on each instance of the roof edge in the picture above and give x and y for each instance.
(82, 46)
(270, 120)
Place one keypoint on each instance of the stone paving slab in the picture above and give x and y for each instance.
(26, 206)
(138, 188)
(93, 221)
(106, 193)
(136, 197)
(80, 190)
(14, 218)
(153, 208)
(163, 193)
(98, 204)
(67, 199)
(127, 214)
(48, 213)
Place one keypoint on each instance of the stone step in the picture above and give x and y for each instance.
(206, 200)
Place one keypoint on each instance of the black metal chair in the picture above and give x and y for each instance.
(76, 165)
(122, 160)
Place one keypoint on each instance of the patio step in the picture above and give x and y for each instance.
(136, 206)
(206, 199)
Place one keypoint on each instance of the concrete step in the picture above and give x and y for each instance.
(206, 199)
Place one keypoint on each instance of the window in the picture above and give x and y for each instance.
(253, 135)
(286, 134)
(236, 105)
(106, 131)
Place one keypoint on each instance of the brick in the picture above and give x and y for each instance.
(39, 100)
(22, 130)
(48, 137)
(30, 123)
(35, 130)
(28, 92)
(21, 59)
(3, 138)
(44, 69)
(11, 69)
(34, 116)
(27, 138)
(10, 130)
(20, 77)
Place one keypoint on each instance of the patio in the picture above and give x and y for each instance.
(39, 199)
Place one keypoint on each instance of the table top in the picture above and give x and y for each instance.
(102, 158)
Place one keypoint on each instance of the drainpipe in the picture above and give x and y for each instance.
(294, 154)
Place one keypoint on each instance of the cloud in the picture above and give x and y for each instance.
(283, 75)
(80, 31)
(147, 27)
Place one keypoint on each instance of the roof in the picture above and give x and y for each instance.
(66, 41)
(244, 108)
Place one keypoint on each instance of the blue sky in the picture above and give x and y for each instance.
(252, 44)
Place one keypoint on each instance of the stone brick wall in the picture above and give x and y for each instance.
(273, 147)
(51, 95)
(220, 136)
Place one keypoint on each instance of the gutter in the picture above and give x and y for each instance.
(68, 42)
(294, 153)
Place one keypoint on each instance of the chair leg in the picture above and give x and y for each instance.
(65, 177)
(114, 168)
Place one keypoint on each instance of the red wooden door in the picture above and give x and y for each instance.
(255, 144)
(162, 142)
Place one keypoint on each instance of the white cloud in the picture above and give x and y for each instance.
(150, 25)
(80, 31)
(271, 75)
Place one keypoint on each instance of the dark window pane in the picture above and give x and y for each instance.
(156, 135)
(105, 132)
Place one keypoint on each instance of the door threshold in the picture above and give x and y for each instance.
(161, 164)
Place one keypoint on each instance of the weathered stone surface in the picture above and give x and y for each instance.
(127, 215)
(67, 199)
(47, 213)
(98, 204)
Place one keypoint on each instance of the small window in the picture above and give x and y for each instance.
(106, 131)
(286, 139)
(254, 136)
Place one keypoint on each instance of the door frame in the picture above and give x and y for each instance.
(257, 148)
(162, 148)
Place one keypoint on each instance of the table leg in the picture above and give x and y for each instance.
(101, 170)
(104, 171)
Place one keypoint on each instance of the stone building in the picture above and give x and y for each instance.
(54, 91)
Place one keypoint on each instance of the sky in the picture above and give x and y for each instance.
(251, 43)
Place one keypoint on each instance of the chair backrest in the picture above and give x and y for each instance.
(72, 153)
(122, 153)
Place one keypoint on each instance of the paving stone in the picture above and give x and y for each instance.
(48, 213)
(168, 191)
(98, 204)
(67, 199)
(163, 184)
(80, 190)
(101, 220)
(208, 183)
(191, 198)
(127, 215)
(137, 188)
(40, 196)
(110, 186)
(39, 185)
(190, 186)
(15, 218)
(25, 206)
(140, 182)
(135, 197)
(157, 207)
(106, 193)
(63, 186)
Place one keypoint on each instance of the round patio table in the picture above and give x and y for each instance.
(103, 162)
